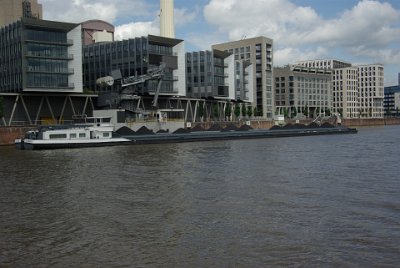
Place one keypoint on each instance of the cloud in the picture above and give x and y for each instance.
(290, 55)
(370, 24)
(182, 16)
(136, 29)
(82, 10)
(273, 18)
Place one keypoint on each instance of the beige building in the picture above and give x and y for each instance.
(345, 92)
(300, 89)
(13, 10)
(358, 91)
(371, 89)
(258, 51)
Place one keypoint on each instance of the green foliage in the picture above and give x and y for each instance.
(216, 111)
(228, 110)
(255, 112)
(200, 110)
(327, 112)
(237, 110)
(305, 111)
(286, 112)
(294, 112)
(87, 91)
(244, 111)
(317, 111)
(260, 111)
(249, 111)
(1, 106)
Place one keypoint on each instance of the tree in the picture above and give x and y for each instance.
(260, 111)
(200, 110)
(237, 111)
(249, 111)
(294, 111)
(327, 112)
(285, 112)
(397, 111)
(1, 106)
(244, 111)
(317, 111)
(228, 110)
(255, 111)
(216, 111)
(305, 111)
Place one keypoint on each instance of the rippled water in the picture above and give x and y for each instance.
(331, 201)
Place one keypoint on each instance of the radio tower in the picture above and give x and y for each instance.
(167, 28)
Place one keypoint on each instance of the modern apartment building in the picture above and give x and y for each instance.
(41, 72)
(324, 64)
(306, 90)
(208, 74)
(215, 74)
(392, 100)
(135, 57)
(346, 96)
(259, 52)
(13, 10)
(366, 100)
(40, 56)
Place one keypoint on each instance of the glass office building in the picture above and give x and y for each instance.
(40, 56)
(134, 57)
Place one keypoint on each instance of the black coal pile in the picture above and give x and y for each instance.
(125, 131)
(144, 131)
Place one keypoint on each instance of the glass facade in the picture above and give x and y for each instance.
(34, 58)
(132, 57)
(205, 75)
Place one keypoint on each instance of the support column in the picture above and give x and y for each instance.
(26, 110)
(13, 110)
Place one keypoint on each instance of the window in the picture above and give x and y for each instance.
(72, 136)
(106, 135)
(58, 136)
(82, 135)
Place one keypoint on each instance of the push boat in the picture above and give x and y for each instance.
(91, 132)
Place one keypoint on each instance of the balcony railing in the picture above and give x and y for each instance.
(31, 69)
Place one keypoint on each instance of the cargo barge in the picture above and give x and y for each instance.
(234, 135)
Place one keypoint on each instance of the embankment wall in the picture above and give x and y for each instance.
(9, 134)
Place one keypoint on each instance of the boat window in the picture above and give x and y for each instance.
(58, 136)
(106, 135)
(72, 136)
(82, 135)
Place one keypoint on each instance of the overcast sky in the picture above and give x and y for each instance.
(360, 32)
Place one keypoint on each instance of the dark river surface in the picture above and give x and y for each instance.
(324, 201)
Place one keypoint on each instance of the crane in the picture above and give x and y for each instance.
(152, 73)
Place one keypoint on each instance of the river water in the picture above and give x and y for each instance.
(325, 201)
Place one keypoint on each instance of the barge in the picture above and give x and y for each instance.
(235, 135)
(93, 132)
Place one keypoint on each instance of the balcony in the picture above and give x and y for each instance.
(31, 54)
(32, 69)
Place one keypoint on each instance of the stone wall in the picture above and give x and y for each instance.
(9, 134)
(371, 122)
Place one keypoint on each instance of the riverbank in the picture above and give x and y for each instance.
(9, 134)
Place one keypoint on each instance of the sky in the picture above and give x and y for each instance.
(359, 32)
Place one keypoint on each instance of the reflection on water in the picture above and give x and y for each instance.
(307, 201)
